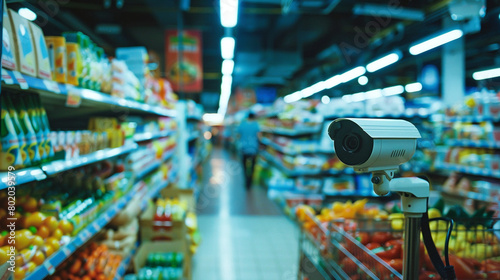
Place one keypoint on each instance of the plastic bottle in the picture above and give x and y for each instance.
(29, 132)
(23, 144)
(159, 214)
(9, 150)
(44, 121)
(35, 122)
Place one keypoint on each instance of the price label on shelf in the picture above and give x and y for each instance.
(6, 77)
(96, 227)
(21, 80)
(50, 268)
(51, 86)
(66, 251)
(74, 98)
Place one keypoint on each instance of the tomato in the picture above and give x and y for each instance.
(381, 237)
(462, 270)
(397, 264)
(428, 275)
(362, 237)
(373, 245)
(348, 266)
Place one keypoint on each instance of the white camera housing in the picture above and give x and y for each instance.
(370, 145)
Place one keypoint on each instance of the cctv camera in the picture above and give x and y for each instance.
(370, 145)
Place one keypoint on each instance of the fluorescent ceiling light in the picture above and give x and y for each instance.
(325, 99)
(436, 41)
(372, 94)
(486, 74)
(296, 96)
(352, 74)
(347, 98)
(383, 62)
(317, 87)
(27, 14)
(393, 90)
(227, 47)
(333, 81)
(363, 80)
(213, 118)
(228, 13)
(358, 97)
(227, 67)
(413, 87)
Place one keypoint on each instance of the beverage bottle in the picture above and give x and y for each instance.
(158, 217)
(35, 122)
(44, 121)
(21, 137)
(9, 150)
(29, 132)
(167, 216)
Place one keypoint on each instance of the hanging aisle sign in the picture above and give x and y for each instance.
(186, 73)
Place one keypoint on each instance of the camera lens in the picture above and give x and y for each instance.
(351, 143)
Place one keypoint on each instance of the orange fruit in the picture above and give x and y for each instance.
(66, 227)
(30, 205)
(37, 241)
(47, 250)
(35, 219)
(19, 273)
(57, 234)
(38, 258)
(53, 242)
(51, 223)
(3, 256)
(43, 232)
(23, 239)
(31, 266)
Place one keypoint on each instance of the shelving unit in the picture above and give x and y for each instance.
(474, 144)
(147, 136)
(122, 269)
(468, 170)
(288, 172)
(289, 132)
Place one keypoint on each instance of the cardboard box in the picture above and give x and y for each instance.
(177, 231)
(23, 44)
(43, 69)
(9, 52)
(182, 194)
(162, 247)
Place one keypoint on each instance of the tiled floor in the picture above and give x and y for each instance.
(244, 235)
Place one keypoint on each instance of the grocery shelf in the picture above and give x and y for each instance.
(474, 119)
(288, 172)
(474, 144)
(122, 269)
(50, 265)
(290, 132)
(287, 150)
(469, 195)
(472, 170)
(146, 136)
(53, 90)
(154, 165)
(21, 176)
(384, 116)
(57, 166)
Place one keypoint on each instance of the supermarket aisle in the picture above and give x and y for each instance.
(244, 235)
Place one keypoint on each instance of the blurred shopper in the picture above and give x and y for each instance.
(248, 131)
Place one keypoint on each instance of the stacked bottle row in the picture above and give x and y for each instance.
(25, 132)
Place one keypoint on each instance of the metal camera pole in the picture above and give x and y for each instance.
(414, 193)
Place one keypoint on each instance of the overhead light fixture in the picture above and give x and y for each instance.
(213, 118)
(325, 99)
(227, 47)
(352, 74)
(383, 62)
(372, 94)
(225, 93)
(227, 67)
(333, 81)
(228, 13)
(395, 90)
(317, 87)
(27, 14)
(358, 97)
(347, 98)
(413, 87)
(486, 74)
(363, 80)
(292, 97)
(436, 41)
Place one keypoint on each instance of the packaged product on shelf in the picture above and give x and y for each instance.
(10, 154)
(21, 136)
(9, 51)
(308, 184)
(43, 67)
(23, 43)
(29, 131)
(56, 46)
(44, 121)
(34, 116)
(74, 61)
(169, 255)
(339, 185)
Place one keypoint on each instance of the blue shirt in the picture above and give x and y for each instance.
(248, 142)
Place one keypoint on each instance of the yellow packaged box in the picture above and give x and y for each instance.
(56, 46)
(9, 59)
(42, 55)
(23, 43)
